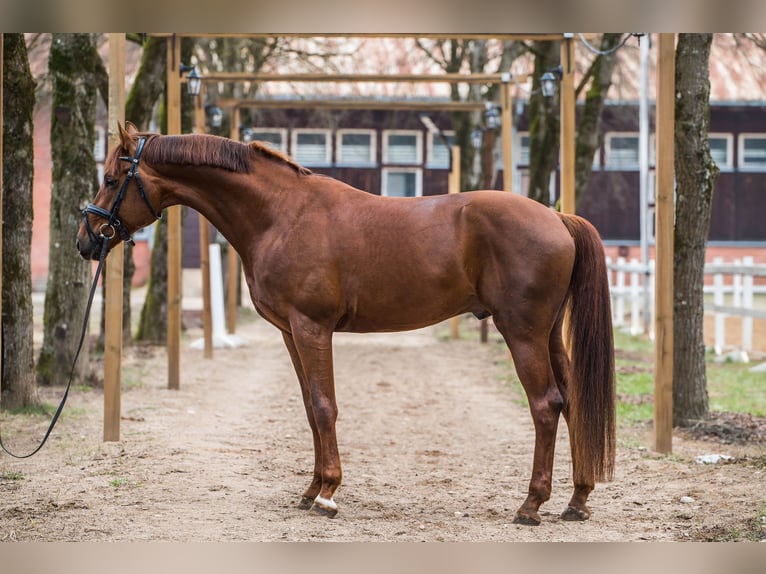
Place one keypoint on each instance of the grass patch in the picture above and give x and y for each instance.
(11, 475)
(118, 482)
(731, 386)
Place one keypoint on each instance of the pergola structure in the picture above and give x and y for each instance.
(664, 195)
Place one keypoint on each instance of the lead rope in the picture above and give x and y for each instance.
(100, 266)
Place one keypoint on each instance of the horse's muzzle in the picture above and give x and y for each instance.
(88, 248)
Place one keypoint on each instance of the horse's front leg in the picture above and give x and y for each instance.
(312, 347)
(307, 500)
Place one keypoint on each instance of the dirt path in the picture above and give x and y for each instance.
(435, 443)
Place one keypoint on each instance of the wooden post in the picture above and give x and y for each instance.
(204, 264)
(454, 187)
(233, 257)
(507, 134)
(231, 305)
(2, 39)
(664, 216)
(204, 248)
(115, 262)
(174, 222)
(567, 103)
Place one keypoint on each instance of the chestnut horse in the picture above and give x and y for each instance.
(321, 256)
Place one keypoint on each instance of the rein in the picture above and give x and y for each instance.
(116, 226)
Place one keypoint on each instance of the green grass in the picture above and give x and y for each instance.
(11, 475)
(731, 386)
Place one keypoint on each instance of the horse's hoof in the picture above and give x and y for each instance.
(306, 503)
(575, 514)
(325, 507)
(526, 519)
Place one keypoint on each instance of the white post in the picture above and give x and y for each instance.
(635, 298)
(653, 307)
(747, 303)
(720, 318)
(620, 291)
(220, 337)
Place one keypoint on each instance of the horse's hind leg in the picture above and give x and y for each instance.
(307, 500)
(577, 508)
(529, 348)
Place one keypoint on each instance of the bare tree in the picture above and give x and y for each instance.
(18, 376)
(696, 174)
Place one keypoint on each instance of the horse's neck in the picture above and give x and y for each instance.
(240, 206)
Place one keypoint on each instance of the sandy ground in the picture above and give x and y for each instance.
(434, 437)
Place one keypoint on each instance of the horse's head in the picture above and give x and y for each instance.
(123, 203)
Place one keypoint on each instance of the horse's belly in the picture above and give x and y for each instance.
(388, 314)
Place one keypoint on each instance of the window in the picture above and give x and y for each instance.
(622, 151)
(402, 182)
(273, 137)
(356, 148)
(523, 158)
(402, 147)
(721, 147)
(752, 151)
(311, 147)
(438, 153)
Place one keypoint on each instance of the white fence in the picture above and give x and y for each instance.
(632, 287)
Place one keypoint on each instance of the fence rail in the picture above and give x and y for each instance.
(632, 287)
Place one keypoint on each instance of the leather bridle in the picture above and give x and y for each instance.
(113, 223)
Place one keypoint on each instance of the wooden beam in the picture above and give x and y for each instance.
(453, 186)
(2, 39)
(567, 145)
(233, 257)
(174, 223)
(204, 247)
(664, 217)
(506, 115)
(474, 78)
(426, 35)
(115, 263)
(342, 104)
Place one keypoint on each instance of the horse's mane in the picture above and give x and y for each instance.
(209, 150)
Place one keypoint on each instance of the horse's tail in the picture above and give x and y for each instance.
(591, 392)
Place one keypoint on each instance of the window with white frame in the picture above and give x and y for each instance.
(721, 149)
(752, 151)
(311, 147)
(438, 153)
(523, 148)
(273, 137)
(402, 182)
(621, 151)
(402, 147)
(356, 148)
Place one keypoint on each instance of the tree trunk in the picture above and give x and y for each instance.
(72, 66)
(153, 324)
(18, 376)
(696, 174)
(589, 125)
(544, 124)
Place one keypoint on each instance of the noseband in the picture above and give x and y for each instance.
(114, 225)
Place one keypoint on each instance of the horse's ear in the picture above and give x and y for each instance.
(126, 137)
(131, 128)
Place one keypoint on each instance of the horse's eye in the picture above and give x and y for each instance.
(109, 181)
